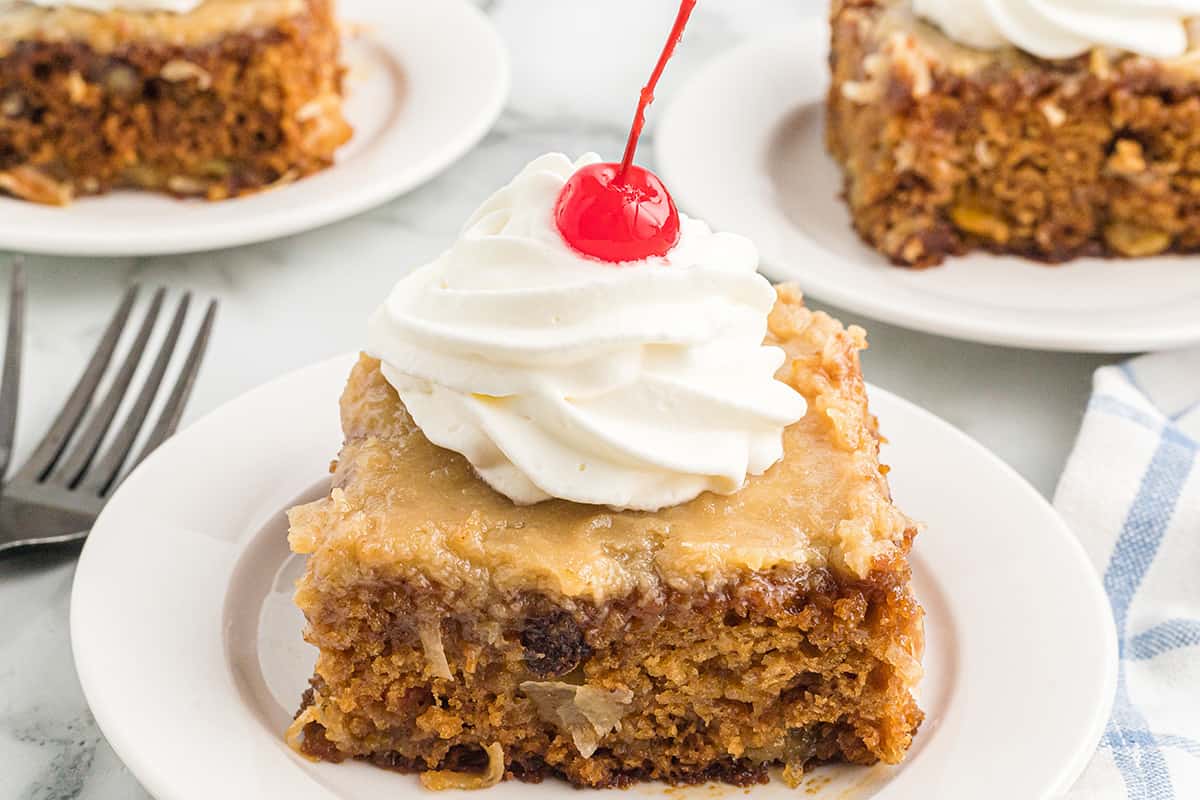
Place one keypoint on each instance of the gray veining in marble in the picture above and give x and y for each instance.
(576, 70)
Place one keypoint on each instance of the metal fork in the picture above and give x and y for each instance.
(59, 491)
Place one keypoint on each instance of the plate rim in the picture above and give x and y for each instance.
(35, 237)
(122, 737)
(1057, 336)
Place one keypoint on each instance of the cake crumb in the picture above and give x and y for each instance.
(177, 70)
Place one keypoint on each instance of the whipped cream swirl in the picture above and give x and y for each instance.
(173, 6)
(1066, 28)
(635, 385)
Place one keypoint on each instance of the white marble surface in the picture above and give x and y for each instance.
(577, 68)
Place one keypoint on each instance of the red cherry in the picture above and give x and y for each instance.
(615, 218)
(621, 212)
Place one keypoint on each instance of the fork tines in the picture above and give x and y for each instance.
(10, 381)
(70, 455)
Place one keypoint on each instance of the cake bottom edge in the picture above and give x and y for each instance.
(470, 765)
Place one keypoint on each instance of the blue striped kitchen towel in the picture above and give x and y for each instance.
(1131, 493)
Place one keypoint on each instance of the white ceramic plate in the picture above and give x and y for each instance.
(425, 81)
(189, 650)
(742, 146)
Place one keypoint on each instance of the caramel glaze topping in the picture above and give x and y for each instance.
(404, 508)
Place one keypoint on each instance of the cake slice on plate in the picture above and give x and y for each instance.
(206, 98)
(609, 508)
(605, 521)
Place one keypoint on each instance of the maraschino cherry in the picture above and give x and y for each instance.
(622, 212)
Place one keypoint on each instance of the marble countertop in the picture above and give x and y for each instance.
(290, 302)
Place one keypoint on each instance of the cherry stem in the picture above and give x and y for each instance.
(647, 96)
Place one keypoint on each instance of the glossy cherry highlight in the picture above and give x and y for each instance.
(615, 218)
(622, 212)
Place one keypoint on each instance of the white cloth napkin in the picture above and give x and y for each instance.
(1131, 493)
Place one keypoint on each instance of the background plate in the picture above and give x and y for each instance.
(742, 146)
(425, 81)
(189, 650)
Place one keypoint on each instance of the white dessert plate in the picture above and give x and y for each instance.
(742, 146)
(425, 81)
(189, 648)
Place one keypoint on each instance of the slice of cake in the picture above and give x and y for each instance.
(1049, 130)
(206, 98)
(606, 522)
